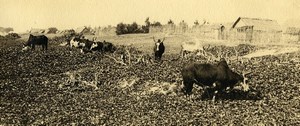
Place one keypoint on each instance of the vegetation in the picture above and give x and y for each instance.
(65, 87)
(52, 30)
(10, 36)
(170, 22)
(196, 23)
(156, 24)
(135, 28)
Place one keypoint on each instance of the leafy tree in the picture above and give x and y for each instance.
(146, 27)
(52, 30)
(170, 22)
(196, 23)
(120, 28)
(147, 22)
(134, 27)
(156, 24)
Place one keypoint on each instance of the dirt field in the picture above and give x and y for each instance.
(65, 87)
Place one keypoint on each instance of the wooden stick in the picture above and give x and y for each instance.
(116, 60)
(129, 56)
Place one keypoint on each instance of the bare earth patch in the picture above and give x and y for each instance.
(272, 51)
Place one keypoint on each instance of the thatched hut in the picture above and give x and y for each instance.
(5, 31)
(85, 31)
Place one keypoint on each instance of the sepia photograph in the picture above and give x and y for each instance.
(150, 62)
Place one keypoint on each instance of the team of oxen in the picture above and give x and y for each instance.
(80, 42)
(87, 45)
(218, 76)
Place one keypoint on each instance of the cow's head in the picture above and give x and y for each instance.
(30, 39)
(113, 49)
(94, 45)
(81, 45)
(157, 44)
(25, 47)
(239, 78)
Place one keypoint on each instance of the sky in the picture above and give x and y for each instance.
(23, 15)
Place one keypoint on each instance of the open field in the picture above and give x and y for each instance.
(65, 87)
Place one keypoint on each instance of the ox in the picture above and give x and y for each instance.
(97, 46)
(158, 49)
(36, 40)
(87, 43)
(81, 43)
(208, 74)
(108, 47)
(76, 42)
(190, 48)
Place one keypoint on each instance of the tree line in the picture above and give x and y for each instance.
(123, 28)
(135, 28)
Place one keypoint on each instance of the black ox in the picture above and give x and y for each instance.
(158, 49)
(108, 47)
(36, 40)
(208, 74)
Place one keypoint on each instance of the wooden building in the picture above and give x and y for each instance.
(292, 34)
(256, 30)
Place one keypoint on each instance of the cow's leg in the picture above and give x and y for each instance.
(46, 46)
(183, 54)
(187, 87)
(218, 88)
(33, 47)
(160, 56)
(156, 56)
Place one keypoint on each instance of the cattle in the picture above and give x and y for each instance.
(76, 42)
(36, 40)
(191, 48)
(103, 47)
(97, 46)
(88, 46)
(108, 47)
(87, 43)
(158, 48)
(208, 74)
(85, 50)
(81, 43)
